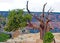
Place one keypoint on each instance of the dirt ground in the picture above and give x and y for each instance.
(34, 38)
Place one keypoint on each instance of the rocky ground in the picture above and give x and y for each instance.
(31, 38)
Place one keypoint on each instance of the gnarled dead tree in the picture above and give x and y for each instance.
(44, 22)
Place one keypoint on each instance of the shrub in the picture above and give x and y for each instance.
(48, 38)
(4, 37)
(17, 19)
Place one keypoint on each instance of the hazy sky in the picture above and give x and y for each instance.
(34, 5)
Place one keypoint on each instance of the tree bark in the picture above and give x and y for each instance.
(54, 40)
(41, 33)
(41, 37)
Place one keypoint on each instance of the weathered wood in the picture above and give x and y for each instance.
(44, 27)
(54, 40)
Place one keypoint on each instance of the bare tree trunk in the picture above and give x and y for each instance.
(41, 37)
(54, 40)
(41, 33)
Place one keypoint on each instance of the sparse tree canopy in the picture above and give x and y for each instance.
(44, 21)
(16, 20)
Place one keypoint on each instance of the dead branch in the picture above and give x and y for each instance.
(43, 9)
(34, 26)
(27, 8)
(47, 18)
(50, 11)
(30, 12)
(36, 17)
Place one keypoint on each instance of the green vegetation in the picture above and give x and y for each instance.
(2, 20)
(17, 19)
(48, 38)
(4, 37)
